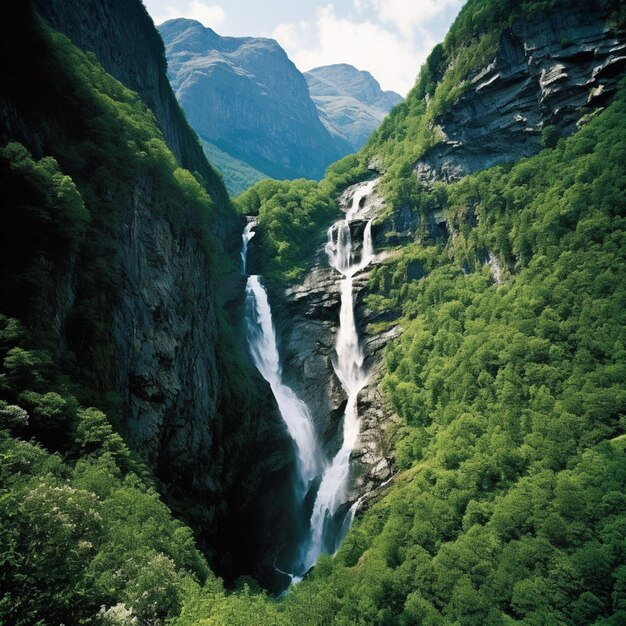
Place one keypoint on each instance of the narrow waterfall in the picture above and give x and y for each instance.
(326, 530)
(248, 233)
(263, 346)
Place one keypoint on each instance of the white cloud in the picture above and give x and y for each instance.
(405, 15)
(392, 58)
(212, 16)
(291, 36)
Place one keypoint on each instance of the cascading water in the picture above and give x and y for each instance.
(326, 530)
(248, 233)
(329, 519)
(261, 337)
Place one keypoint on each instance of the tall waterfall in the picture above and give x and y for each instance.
(261, 337)
(326, 530)
(330, 517)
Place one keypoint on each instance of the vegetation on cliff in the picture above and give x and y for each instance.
(293, 214)
(508, 506)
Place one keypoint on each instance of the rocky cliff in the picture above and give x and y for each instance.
(547, 75)
(247, 98)
(307, 320)
(138, 311)
(351, 102)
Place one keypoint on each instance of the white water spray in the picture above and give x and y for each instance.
(326, 530)
(263, 347)
(248, 233)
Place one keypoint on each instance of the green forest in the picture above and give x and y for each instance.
(508, 503)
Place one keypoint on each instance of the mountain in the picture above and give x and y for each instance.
(245, 97)
(351, 103)
(443, 311)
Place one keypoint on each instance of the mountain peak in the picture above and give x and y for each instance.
(245, 97)
(351, 101)
(344, 79)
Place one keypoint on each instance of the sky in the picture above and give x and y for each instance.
(389, 38)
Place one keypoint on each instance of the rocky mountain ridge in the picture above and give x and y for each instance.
(351, 102)
(247, 98)
(546, 77)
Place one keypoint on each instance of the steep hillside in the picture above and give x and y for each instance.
(114, 290)
(351, 102)
(506, 282)
(247, 98)
(122, 36)
(508, 502)
(238, 176)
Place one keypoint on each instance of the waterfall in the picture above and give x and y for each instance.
(326, 530)
(263, 346)
(331, 515)
(248, 233)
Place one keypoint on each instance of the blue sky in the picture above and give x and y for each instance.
(389, 38)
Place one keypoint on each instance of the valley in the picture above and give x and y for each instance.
(364, 364)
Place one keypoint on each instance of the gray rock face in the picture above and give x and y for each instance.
(245, 96)
(165, 330)
(307, 320)
(546, 73)
(351, 102)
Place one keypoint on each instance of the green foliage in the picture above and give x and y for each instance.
(291, 218)
(549, 136)
(294, 214)
(83, 530)
(42, 227)
(238, 175)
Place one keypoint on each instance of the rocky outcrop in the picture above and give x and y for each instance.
(307, 317)
(546, 76)
(351, 102)
(247, 98)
